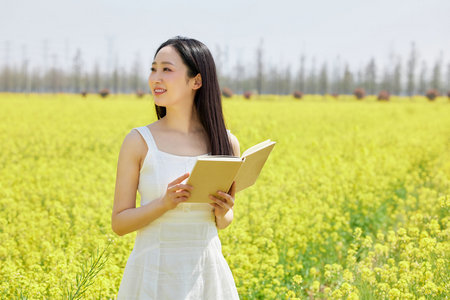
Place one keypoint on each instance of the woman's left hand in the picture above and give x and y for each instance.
(223, 204)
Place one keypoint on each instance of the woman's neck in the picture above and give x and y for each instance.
(182, 121)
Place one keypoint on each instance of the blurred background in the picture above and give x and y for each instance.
(313, 47)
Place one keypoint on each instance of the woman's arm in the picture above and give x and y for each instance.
(126, 217)
(223, 210)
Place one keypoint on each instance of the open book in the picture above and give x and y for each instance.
(212, 173)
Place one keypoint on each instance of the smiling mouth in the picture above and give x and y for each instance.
(159, 91)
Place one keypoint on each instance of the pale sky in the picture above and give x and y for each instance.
(354, 30)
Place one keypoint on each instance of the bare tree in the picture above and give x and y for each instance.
(411, 69)
(336, 77)
(435, 82)
(115, 78)
(359, 78)
(52, 76)
(448, 77)
(423, 78)
(259, 67)
(370, 77)
(323, 79)
(346, 85)
(96, 80)
(311, 81)
(123, 80)
(397, 78)
(286, 81)
(135, 73)
(6, 71)
(76, 71)
(386, 80)
(301, 74)
(239, 76)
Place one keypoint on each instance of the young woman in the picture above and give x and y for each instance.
(177, 252)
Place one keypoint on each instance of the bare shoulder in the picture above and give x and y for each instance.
(133, 146)
(234, 144)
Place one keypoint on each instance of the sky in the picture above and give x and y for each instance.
(118, 31)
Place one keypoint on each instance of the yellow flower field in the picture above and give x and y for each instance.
(353, 202)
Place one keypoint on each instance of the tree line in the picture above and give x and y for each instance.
(402, 76)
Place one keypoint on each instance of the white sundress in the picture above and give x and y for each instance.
(178, 255)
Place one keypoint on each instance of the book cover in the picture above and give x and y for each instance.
(217, 172)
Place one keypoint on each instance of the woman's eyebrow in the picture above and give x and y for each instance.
(164, 62)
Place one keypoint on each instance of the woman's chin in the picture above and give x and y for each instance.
(158, 101)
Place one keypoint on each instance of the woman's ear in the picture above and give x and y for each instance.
(197, 81)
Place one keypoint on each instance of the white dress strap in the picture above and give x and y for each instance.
(147, 135)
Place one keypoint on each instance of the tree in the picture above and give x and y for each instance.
(77, 69)
(311, 81)
(53, 75)
(435, 82)
(239, 76)
(386, 81)
(221, 59)
(448, 77)
(397, 78)
(115, 79)
(370, 77)
(123, 79)
(96, 78)
(259, 67)
(286, 81)
(323, 79)
(346, 85)
(337, 82)
(301, 74)
(135, 73)
(423, 78)
(411, 69)
(359, 78)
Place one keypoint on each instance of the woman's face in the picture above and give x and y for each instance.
(168, 79)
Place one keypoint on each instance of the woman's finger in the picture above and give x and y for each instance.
(229, 199)
(180, 199)
(179, 179)
(182, 194)
(180, 187)
(220, 202)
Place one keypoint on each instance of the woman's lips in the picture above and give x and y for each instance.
(159, 91)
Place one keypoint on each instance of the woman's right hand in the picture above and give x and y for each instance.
(176, 192)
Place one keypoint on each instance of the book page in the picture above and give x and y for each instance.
(256, 147)
(253, 163)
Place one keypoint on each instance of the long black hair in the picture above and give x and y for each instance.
(207, 101)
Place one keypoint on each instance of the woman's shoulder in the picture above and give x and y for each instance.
(134, 142)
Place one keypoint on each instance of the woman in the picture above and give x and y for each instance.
(177, 252)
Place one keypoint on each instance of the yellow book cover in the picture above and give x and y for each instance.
(217, 172)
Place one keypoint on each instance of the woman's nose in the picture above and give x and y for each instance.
(152, 79)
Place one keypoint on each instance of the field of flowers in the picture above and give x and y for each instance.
(352, 204)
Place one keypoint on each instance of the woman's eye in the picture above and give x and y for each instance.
(153, 69)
